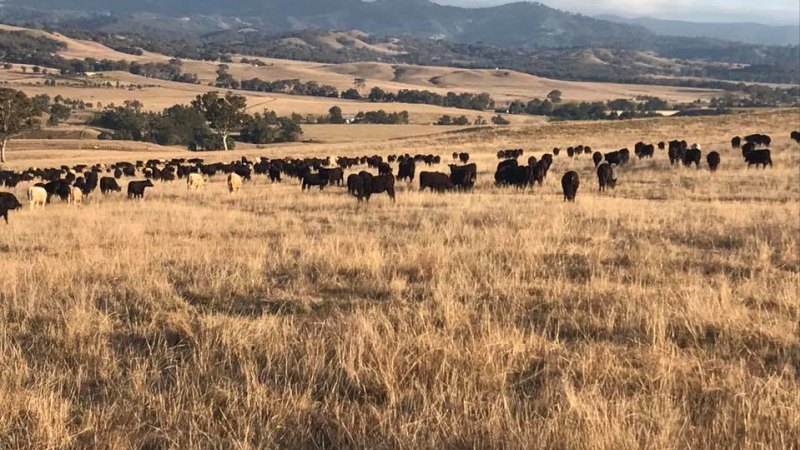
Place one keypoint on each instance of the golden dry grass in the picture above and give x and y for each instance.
(661, 315)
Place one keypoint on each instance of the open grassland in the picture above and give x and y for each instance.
(661, 315)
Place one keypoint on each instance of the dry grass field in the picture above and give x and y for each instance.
(661, 315)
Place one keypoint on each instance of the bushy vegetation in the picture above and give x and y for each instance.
(463, 100)
(20, 47)
(199, 126)
(268, 128)
(644, 106)
(382, 117)
(450, 120)
(292, 87)
(759, 96)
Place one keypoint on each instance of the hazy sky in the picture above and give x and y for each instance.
(766, 11)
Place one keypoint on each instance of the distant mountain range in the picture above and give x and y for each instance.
(750, 33)
(521, 24)
(526, 36)
(515, 24)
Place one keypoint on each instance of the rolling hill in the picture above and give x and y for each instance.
(502, 85)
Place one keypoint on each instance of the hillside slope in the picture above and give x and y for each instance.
(502, 85)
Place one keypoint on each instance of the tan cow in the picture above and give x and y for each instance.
(37, 196)
(195, 181)
(75, 196)
(234, 183)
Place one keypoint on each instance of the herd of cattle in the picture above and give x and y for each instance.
(72, 184)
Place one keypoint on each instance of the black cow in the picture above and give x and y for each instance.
(243, 171)
(747, 148)
(463, 157)
(795, 136)
(556, 151)
(274, 173)
(352, 183)
(662, 145)
(619, 157)
(570, 184)
(605, 175)
(538, 172)
(357, 184)
(692, 156)
(8, 202)
(108, 184)
(406, 169)
(547, 162)
(676, 151)
(736, 142)
(464, 177)
(570, 151)
(519, 176)
(713, 161)
(759, 139)
(503, 168)
(335, 175)
(384, 168)
(378, 185)
(91, 182)
(643, 150)
(314, 179)
(597, 158)
(758, 157)
(60, 188)
(136, 188)
(435, 181)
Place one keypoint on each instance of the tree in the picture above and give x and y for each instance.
(41, 103)
(17, 115)
(461, 120)
(224, 114)
(516, 107)
(58, 114)
(621, 104)
(351, 94)
(335, 115)
(445, 120)
(554, 96)
(359, 83)
(260, 129)
(224, 79)
(377, 95)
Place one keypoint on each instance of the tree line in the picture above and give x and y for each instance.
(210, 122)
(619, 109)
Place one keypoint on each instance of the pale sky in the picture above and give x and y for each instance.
(784, 12)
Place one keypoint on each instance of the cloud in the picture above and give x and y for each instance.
(767, 11)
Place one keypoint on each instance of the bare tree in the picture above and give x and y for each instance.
(360, 83)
